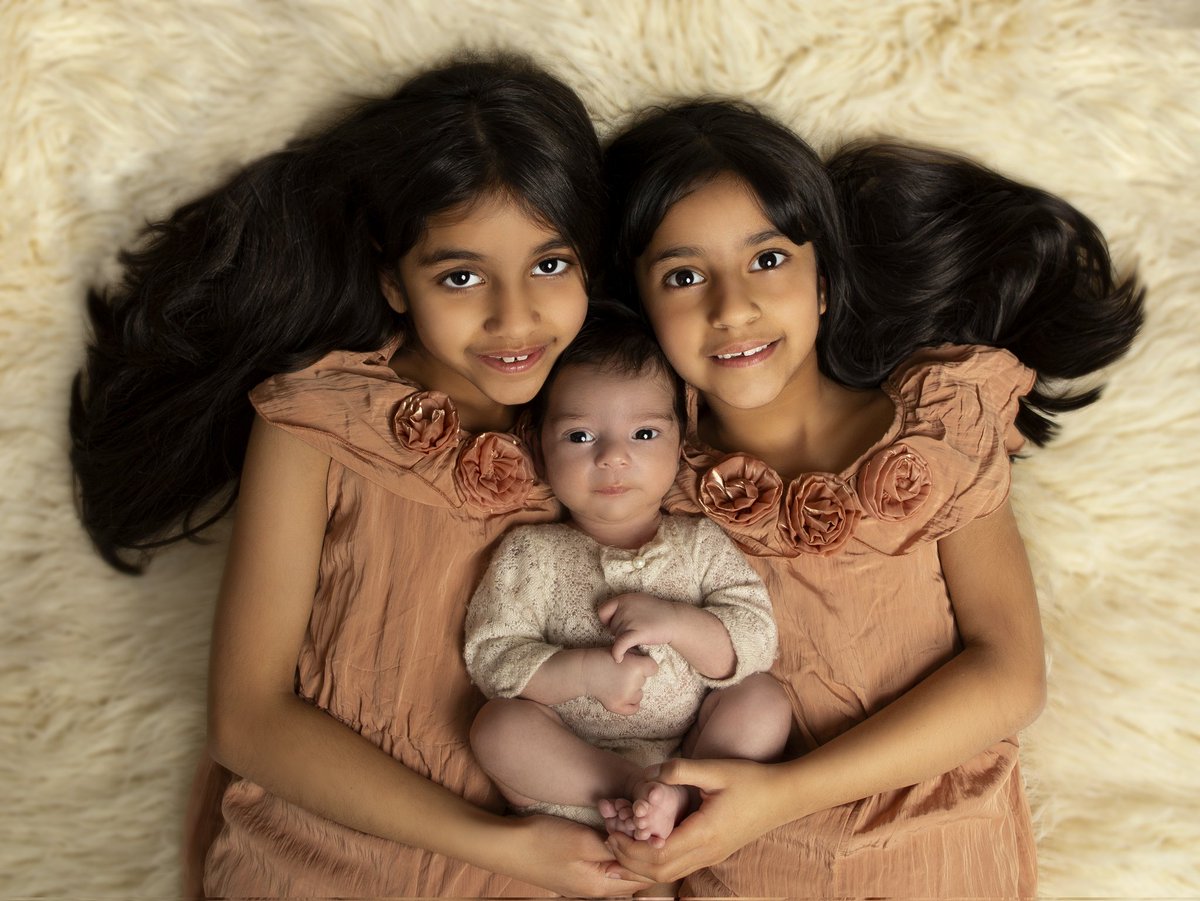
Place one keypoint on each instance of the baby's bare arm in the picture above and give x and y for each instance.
(591, 672)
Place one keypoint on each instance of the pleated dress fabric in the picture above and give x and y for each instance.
(851, 564)
(415, 509)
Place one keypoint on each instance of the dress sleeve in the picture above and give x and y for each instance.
(344, 406)
(949, 463)
(734, 594)
(406, 440)
(505, 631)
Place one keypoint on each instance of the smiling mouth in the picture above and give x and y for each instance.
(750, 352)
(514, 362)
(745, 355)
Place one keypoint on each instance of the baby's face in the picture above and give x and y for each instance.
(610, 442)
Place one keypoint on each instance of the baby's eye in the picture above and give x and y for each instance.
(552, 266)
(580, 436)
(683, 278)
(771, 259)
(646, 434)
(462, 278)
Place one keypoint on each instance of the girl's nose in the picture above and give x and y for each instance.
(513, 313)
(730, 305)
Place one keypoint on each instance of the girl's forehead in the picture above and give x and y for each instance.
(720, 211)
(487, 204)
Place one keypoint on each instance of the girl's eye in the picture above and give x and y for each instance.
(772, 259)
(646, 434)
(683, 278)
(552, 266)
(462, 278)
(579, 436)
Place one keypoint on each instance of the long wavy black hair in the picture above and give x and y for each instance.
(917, 247)
(282, 264)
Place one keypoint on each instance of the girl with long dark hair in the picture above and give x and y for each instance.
(394, 286)
(869, 339)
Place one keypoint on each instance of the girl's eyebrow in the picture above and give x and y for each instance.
(687, 250)
(555, 243)
(674, 253)
(442, 255)
(771, 234)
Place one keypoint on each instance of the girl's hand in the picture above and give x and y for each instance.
(739, 802)
(638, 619)
(617, 684)
(567, 858)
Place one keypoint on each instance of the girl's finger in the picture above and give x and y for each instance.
(615, 871)
(639, 857)
(704, 774)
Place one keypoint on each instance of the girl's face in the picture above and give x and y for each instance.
(494, 296)
(610, 446)
(735, 303)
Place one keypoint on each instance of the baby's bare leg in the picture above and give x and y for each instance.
(750, 720)
(532, 756)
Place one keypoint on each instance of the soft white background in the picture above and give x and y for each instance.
(115, 111)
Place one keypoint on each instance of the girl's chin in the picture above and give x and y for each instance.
(744, 400)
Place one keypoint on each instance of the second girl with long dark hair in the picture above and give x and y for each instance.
(868, 340)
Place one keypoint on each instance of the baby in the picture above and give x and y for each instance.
(598, 639)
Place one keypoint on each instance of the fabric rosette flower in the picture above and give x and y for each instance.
(494, 473)
(426, 421)
(894, 483)
(821, 513)
(740, 490)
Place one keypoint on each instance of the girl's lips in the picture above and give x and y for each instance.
(739, 356)
(514, 361)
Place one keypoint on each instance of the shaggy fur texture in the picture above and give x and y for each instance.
(115, 111)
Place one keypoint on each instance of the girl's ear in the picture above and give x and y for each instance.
(393, 291)
(822, 304)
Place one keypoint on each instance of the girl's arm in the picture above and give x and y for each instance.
(990, 690)
(260, 728)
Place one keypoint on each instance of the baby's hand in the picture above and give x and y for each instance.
(637, 619)
(618, 684)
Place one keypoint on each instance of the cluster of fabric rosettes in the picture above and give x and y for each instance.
(492, 471)
(818, 512)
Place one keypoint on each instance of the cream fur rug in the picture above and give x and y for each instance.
(114, 111)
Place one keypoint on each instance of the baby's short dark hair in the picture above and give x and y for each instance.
(613, 339)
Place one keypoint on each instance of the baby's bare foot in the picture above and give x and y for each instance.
(656, 809)
(618, 815)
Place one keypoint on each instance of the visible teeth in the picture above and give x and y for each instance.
(744, 353)
(519, 359)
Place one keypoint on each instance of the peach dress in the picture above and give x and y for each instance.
(851, 564)
(416, 507)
